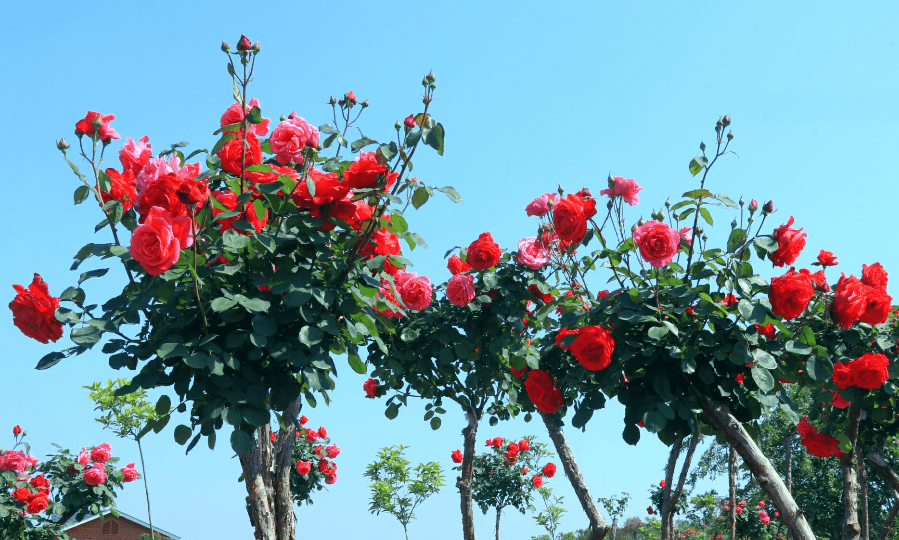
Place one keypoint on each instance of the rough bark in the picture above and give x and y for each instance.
(720, 418)
(266, 471)
(499, 512)
(888, 524)
(669, 499)
(598, 524)
(143, 469)
(851, 529)
(863, 493)
(788, 459)
(614, 527)
(469, 433)
(732, 491)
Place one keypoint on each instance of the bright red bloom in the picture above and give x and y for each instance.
(367, 173)
(729, 300)
(304, 467)
(816, 443)
(483, 252)
(524, 445)
(870, 371)
(826, 258)
(229, 201)
(38, 503)
(121, 188)
(838, 401)
(593, 347)
(162, 193)
(545, 297)
(192, 193)
(519, 373)
(130, 473)
(790, 242)
(570, 217)
(457, 265)
(457, 456)
(371, 388)
(542, 391)
(564, 332)
(874, 276)
(790, 294)
(328, 189)
(16, 431)
(768, 330)
(385, 243)
(662, 483)
(537, 481)
(34, 311)
(104, 132)
(237, 152)
(819, 280)
(549, 470)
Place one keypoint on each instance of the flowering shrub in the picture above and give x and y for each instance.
(313, 456)
(37, 498)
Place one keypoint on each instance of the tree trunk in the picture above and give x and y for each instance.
(851, 528)
(499, 512)
(721, 419)
(883, 469)
(266, 471)
(597, 523)
(732, 493)
(669, 499)
(143, 468)
(888, 524)
(788, 459)
(863, 493)
(469, 433)
(614, 527)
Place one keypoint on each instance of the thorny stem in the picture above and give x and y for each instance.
(718, 153)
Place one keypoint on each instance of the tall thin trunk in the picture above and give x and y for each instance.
(614, 527)
(669, 499)
(469, 433)
(888, 524)
(863, 493)
(732, 493)
(143, 468)
(266, 471)
(598, 524)
(721, 419)
(851, 528)
(499, 512)
(788, 459)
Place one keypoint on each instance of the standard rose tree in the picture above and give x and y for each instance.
(249, 267)
(38, 497)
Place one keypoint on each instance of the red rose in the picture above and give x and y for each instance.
(38, 503)
(304, 467)
(820, 445)
(457, 265)
(121, 188)
(104, 132)
(561, 336)
(34, 311)
(838, 401)
(877, 306)
(542, 391)
(545, 297)
(593, 348)
(322, 433)
(843, 375)
(303, 420)
(236, 152)
(331, 479)
(22, 494)
(537, 481)
(164, 194)
(16, 431)
(767, 330)
(570, 217)
(549, 470)
(457, 456)
(483, 252)
(729, 300)
(385, 243)
(328, 189)
(826, 258)
(234, 115)
(819, 280)
(790, 294)
(790, 242)
(524, 445)
(874, 276)
(367, 173)
(460, 289)
(229, 201)
(130, 473)
(371, 388)
(870, 371)
(658, 242)
(519, 373)
(96, 475)
(157, 243)
(848, 301)
(191, 192)
(101, 453)
(662, 484)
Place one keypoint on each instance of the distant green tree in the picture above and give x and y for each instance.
(615, 507)
(127, 416)
(549, 518)
(397, 488)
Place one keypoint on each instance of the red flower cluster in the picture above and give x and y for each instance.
(371, 388)
(456, 265)
(541, 389)
(864, 300)
(34, 311)
(790, 293)
(89, 126)
(457, 456)
(592, 347)
(570, 217)
(483, 253)
(817, 444)
(868, 371)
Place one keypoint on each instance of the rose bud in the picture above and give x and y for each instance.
(726, 120)
(351, 97)
(753, 205)
(430, 77)
(742, 201)
(702, 147)
(730, 135)
(332, 101)
(62, 145)
(256, 47)
(398, 125)
(225, 47)
(668, 203)
(409, 122)
(244, 43)
(768, 208)
(16, 431)
(365, 104)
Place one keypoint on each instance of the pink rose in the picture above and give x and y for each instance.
(333, 450)
(130, 472)
(84, 457)
(531, 254)
(658, 242)
(624, 188)
(134, 155)
(539, 207)
(96, 475)
(290, 137)
(415, 291)
(331, 479)
(304, 467)
(460, 289)
(232, 115)
(13, 461)
(102, 453)
(157, 243)
(686, 235)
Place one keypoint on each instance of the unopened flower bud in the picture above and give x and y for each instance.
(432, 86)
(633, 227)
(244, 43)
(62, 145)
(718, 125)
(768, 208)
(661, 215)
(698, 230)
(256, 47)
(365, 104)
(753, 206)
(561, 190)
(742, 201)
(332, 101)
(609, 205)
(549, 204)
(430, 77)
(705, 238)
(350, 97)
(726, 120)
(225, 47)
(702, 146)
(398, 125)
(730, 135)
(641, 222)
(668, 203)
(676, 216)
(283, 118)
(653, 215)
(425, 82)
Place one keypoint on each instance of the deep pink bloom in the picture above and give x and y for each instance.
(96, 475)
(134, 155)
(130, 472)
(625, 188)
(105, 132)
(232, 115)
(101, 453)
(531, 254)
(539, 207)
(290, 137)
(460, 289)
(304, 467)
(658, 242)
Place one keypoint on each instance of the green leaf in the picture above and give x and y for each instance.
(356, 363)
(697, 164)
(221, 143)
(182, 433)
(257, 305)
(264, 325)
(451, 193)
(631, 434)
(310, 336)
(254, 116)
(361, 143)
(241, 442)
(310, 185)
(164, 405)
(420, 197)
(327, 129)
(736, 239)
(434, 138)
(727, 201)
(762, 378)
(412, 138)
(658, 332)
(435, 423)
(704, 212)
(764, 359)
(654, 422)
(223, 304)
(81, 193)
(798, 348)
(818, 369)
(50, 360)
(751, 313)
(387, 152)
(766, 243)
(392, 410)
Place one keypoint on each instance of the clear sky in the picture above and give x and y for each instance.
(532, 94)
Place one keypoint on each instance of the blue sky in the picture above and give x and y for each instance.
(532, 94)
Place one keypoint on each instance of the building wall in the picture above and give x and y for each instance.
(93, 530)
